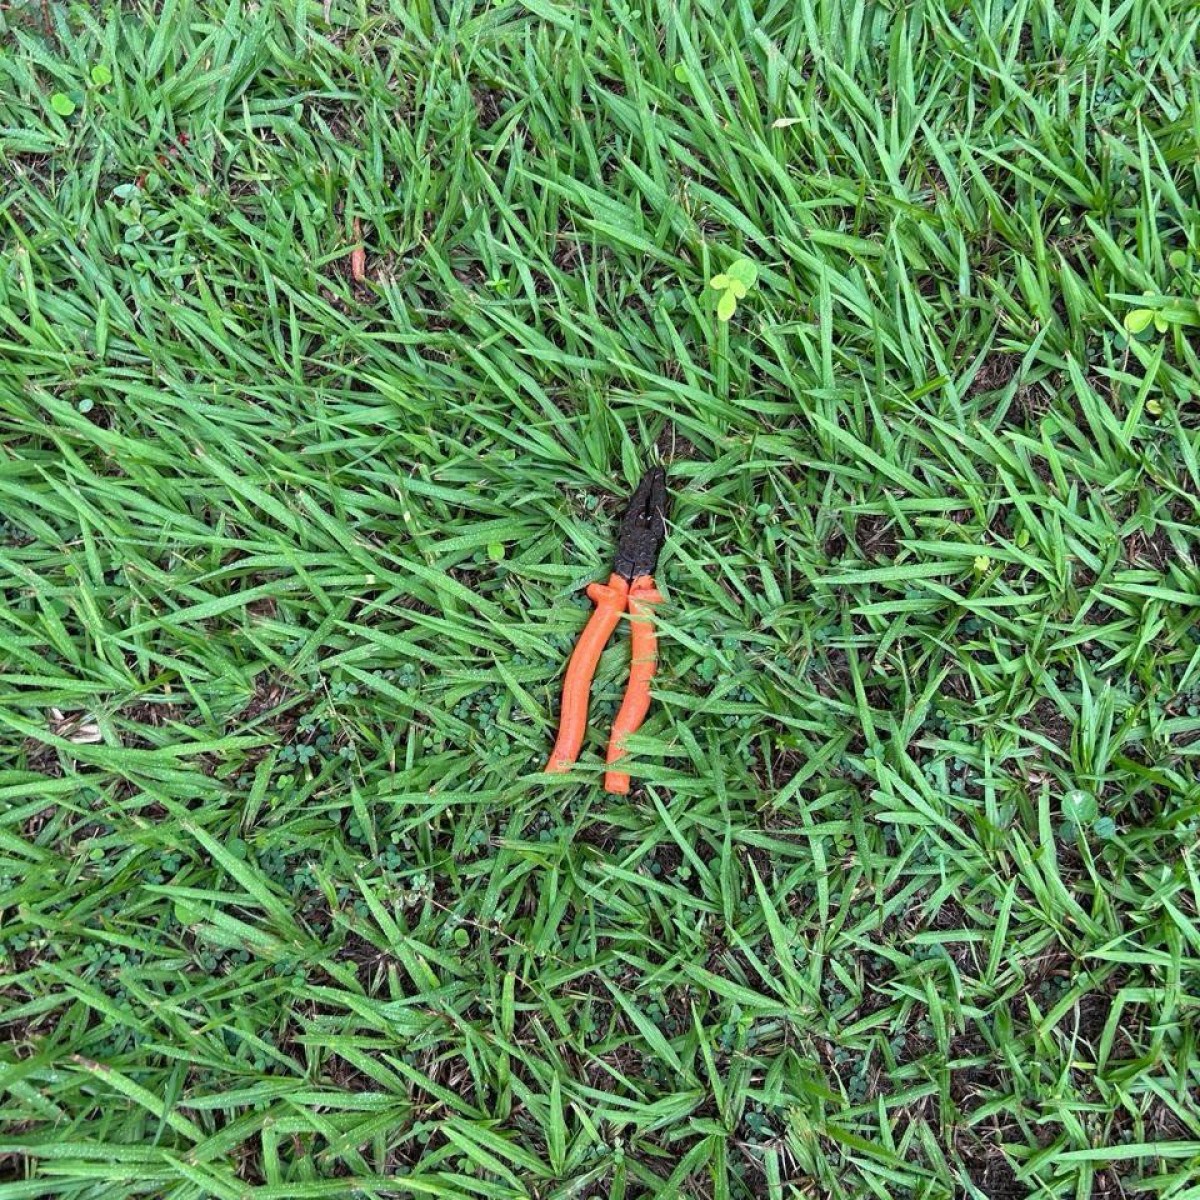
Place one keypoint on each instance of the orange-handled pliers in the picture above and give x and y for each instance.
(629, 588)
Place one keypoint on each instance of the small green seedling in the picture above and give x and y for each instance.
(62, 104)
(1080, 807)
(1140, 319)
(734, 284)
(1081, 812)
(1176, 311)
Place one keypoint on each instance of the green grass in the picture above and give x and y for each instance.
(905, 902)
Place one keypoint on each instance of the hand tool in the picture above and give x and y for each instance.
(630, 588)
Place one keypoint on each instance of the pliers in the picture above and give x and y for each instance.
(629, 587)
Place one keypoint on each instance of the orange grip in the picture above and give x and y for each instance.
(572, 718)
(643, 659)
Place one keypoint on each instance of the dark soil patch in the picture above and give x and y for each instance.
(668, 858)
(16, 1167)
(776, 772)
(348, 1077)
(973, 1075)
(835, 545)
(601, 835)
(1152, 550)
(672, 444)
(43, 758)
(876, 537)
(269, 693)
(1106, 1185)
(567, 254)
(832, 678)
(995, 373)
(490, 105)
(1046, 718)
(1092, 1010)
(990, 1171)
(366, 959)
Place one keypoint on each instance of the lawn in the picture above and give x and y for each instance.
(332, 340)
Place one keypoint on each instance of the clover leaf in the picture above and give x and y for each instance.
(734, 284)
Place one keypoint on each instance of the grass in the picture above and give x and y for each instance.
(905, 901)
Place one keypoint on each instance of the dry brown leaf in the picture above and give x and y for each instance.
(358, 256)
(79, 728)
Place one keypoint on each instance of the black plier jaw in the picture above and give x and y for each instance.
(644, 527)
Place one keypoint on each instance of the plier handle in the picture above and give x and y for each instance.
(630, 588)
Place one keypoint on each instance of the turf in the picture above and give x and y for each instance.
(904, 902)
